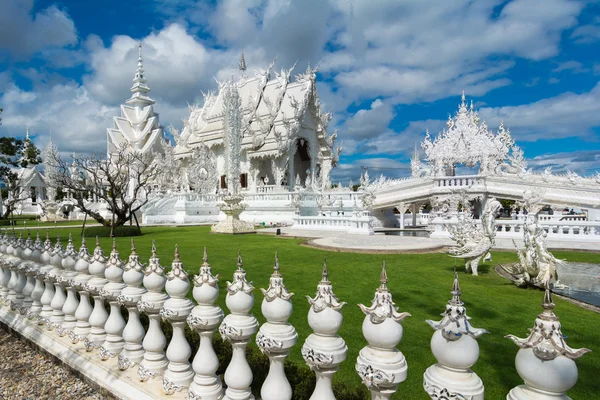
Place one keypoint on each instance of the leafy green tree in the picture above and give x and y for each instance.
(15, 153)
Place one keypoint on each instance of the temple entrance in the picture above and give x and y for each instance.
(301, 161)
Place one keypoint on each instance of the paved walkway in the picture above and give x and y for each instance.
(404, 244)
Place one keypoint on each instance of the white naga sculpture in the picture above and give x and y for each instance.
(473, 241)
(536, 266)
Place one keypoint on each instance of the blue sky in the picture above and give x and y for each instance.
(389, 69)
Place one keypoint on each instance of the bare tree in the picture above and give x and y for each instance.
(120, 181)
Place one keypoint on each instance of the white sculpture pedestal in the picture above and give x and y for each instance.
(232, 207)
(439, 377)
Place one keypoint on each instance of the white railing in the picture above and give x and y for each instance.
(458, 181)
(349, 223)
(38, 285)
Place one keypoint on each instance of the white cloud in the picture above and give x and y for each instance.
(584, 162)
(572, 65)
(566, 115)
(369, 123)
(24, 34)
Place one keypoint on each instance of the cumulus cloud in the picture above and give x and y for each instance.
(566, 115)
(23, 33)
(585, 162)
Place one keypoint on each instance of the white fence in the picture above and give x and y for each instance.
(39, 284)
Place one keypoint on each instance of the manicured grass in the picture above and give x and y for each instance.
(420, 285)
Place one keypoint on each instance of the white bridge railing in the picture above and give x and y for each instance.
(57, 298)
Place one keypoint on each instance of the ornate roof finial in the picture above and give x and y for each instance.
(176, 256)
(325, 273)
(242, 64)
(239, 261)
(153, 249)
(132, 246)
(383, 279)
(97, 241)
(139, 89)
(205, 257)
(455, 301)
(114, 244)
(463, 98)
(276, 266)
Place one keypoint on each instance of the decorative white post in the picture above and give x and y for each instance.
(58, 301)
(380, 365)
(21, 279)
(133, 334)
(179, 373)
(454, 345)
(38, 289)
(115, 323)
(71, 304)
(545, 362)
(277, 336)
(204, 319)
(238, 327)
(94, 286)
(29, 269)
(5, 278)
(45, 272)
(84, 310)
(154, 362)
(324, 350)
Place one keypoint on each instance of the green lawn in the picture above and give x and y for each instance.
(420, 285)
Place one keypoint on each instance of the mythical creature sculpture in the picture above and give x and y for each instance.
(536, 266)
(473, 241)
(516, 165)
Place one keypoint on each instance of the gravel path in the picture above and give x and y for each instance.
(29, 374)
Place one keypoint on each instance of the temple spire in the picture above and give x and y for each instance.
(242, 64)
(139, 89)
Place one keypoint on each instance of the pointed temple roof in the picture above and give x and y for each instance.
(276, 109)
(138, 126)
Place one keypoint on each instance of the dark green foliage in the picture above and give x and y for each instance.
(119, 231)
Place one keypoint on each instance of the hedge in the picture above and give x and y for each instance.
(119, 231)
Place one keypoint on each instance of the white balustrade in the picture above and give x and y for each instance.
(133, 334)
(151, 302)
(84, 309)
(113, 344)
(237, 328)
(324, 350)
(454, 345)
(277, 336)
(175, 310)
(71, 303)
(95, 286)
(204, 319)
(380, 365)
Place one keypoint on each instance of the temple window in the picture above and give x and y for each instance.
(223, 182)
(244, 180)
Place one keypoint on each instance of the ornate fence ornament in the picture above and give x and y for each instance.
(545, 353)
(175, 310)
(237, 328)
(324, 350)
(154, 362)
(95, 287)
(204, 319)
(115, 323)
(380, 365)
(454, 345)
(59, 299)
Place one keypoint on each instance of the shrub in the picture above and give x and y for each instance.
(120, 231)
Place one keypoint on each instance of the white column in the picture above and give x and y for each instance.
(133, 334)
(204, 319)
(414, 209)
(94, 286)
(154, 362)
(48, 294)
(58, 301)
(179, 373)
(71, 303)
(84, 309)
(277, 336)
(237, 328)
(38, 289)
(115, 323)
(544, 361)
(324, 350)
(380, 365)
(27, 268)
(402, 209)
(454, 345)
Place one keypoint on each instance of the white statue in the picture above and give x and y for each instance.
(474, 242)
(536, 266)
